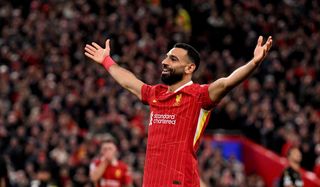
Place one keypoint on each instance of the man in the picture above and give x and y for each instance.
(107, 170)
(179, 109)
(291, 175)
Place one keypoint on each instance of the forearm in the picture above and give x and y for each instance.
(97, 173)
(124, 77)
(219, 88)
(240, 74)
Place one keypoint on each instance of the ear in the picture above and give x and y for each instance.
(190, 68)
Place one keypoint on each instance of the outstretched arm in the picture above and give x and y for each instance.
(124, 77)
(219, 88)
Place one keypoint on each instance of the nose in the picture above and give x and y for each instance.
(165, 61)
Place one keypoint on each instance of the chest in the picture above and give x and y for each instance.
(172, 117)
(172, 102)
(113, 172)
(172, 109)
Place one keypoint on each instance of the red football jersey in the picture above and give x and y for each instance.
(115, 175)
(177, 122)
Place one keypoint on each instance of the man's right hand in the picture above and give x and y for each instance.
(107, 158)
(104, 159)
(97, 53)
(124, 77)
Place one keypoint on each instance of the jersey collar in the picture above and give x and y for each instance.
(180, 88)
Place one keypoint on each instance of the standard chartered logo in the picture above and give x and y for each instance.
(166, 119)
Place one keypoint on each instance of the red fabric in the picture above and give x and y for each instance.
(108, 62)
(114, 175)
(101, 82)
(317, 170)
(171, 152)
(138, 122)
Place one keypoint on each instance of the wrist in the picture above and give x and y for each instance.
(107, 62)
(255, 62)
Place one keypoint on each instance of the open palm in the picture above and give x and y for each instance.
(260, 52)
(96, 52)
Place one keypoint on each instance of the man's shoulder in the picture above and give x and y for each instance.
(158, 86)
(122, 164)
(197, 85)
(195, 88)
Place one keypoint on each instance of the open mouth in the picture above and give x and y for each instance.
(166, 71)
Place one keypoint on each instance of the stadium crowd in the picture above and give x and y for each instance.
(55, 106)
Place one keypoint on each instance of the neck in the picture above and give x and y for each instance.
(295, 165)
(176, 86)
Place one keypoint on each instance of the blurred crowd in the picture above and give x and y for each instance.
(55, 105)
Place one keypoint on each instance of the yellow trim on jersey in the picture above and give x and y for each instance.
(201, 121)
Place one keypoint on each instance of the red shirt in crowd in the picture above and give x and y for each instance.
(115, 175)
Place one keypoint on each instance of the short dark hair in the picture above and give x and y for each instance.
(192, 53)
(109, 140)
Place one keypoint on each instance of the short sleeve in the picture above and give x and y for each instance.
(206, 102)
(127, 179)
(145, 93)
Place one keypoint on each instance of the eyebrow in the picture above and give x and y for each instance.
(173, 56)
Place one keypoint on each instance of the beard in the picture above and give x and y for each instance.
(171, 77)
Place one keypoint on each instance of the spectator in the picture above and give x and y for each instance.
(107, 171)
(317, 165)
(291, 176)
(255, 180)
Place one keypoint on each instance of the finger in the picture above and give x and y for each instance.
(108, 43)
(269, 43)
(91, 47)
(96, 45)
(260, 39)
(89, 50)
(269, 39)
(88, 55)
